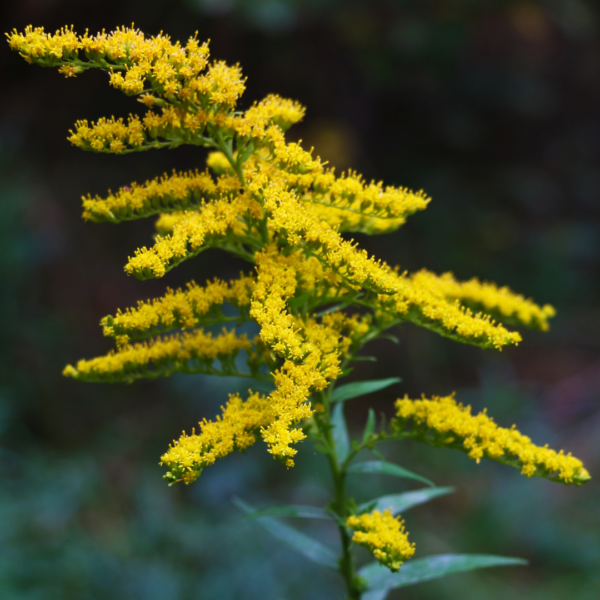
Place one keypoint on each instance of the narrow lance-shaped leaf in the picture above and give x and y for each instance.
(375, 595)
(385, 468)
(379, 577)
(401, 502)
(303, 544)
(340, 433)
(361, 388)
(370, 426)
(290, 510)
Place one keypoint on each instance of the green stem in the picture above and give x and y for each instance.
(339, 504)
(226, 149)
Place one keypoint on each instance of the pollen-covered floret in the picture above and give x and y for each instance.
(442, 421)
(384, 535)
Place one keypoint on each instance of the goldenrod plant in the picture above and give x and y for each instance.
(315, 295)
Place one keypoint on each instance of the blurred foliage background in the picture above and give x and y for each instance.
(492, 107)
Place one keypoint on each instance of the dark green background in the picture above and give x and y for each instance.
(494, 109)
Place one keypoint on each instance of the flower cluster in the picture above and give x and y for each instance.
(503, 304)
(181, 309)
(176, 192)
(235, 430)
(384, 535)
(193, 352)
(316, 296)
(195, 231)
(441, 421)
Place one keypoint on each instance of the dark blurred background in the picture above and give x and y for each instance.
(492, 107)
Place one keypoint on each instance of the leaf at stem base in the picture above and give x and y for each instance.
(361, 388)
(401, 502)
(381, 467)
(380, 578)
(303, 544)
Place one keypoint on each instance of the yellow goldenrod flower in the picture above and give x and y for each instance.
(311, 350)
(350, 204)
(441, 421)
(220, 87)
(110, 135)
(276, 282)
(191, 234)
(289, 217)
(34, 45)
(70, 70)
(322, 346)
(272, 110)
(193, 352)
(166, 222)
(169, 128)
(176, 192)
(182, 309)
(502, 303)
(219, 164)
(316, 296)
(135, 62)
(384, 535)
(407, 298)
(425, 305)
(272, 203)
(234, 430)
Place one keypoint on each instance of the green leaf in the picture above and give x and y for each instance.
(375, 595)
(340, 433)
(380, 467)
(370, 426)
(401, 502)
(378, 454)
(290, 510)
(331, 309)
(300, 300)
(379, 577)
(360, 388)
(306, 546)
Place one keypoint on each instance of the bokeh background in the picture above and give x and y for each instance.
(492, 107)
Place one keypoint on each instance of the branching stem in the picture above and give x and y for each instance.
(339, 504)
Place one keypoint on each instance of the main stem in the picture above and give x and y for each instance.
(338, 471)
(340, 502)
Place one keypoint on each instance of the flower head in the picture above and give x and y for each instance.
(384, 535)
